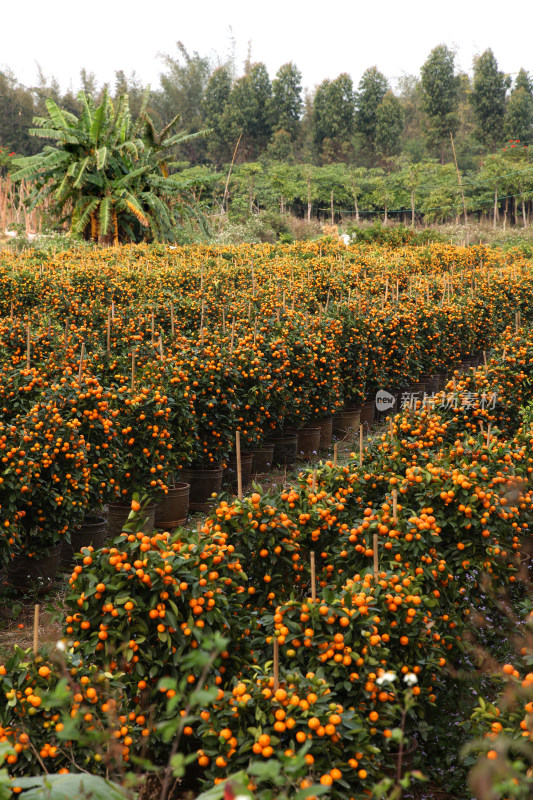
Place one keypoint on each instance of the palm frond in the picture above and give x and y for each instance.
(84, 209)
(101, 157)
(106, 208)
(94, 131)
(61, 118)
(135, 208)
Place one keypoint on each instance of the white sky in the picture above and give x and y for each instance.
(322, 38)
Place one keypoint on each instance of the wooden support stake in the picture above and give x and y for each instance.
(160, 347)
(198, 527)
(232, 334)
(172, 319)
(239, 472)
(313, 576)
(395, 504)
(112, 309)
(36, 630)
(82, 356)
(485, 358)
(223, 321)
(276, 663)
(335, 453)
(488, 434)
(313, 482)
(376, 558)
(28, 347)
(11, 310)
(360, 445)
(133, 369)
(108, 332)
(66, 331)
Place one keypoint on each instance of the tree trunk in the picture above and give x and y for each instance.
(282, 204)
(331, 205)
(505, 213)
(385, 219)
(495, 217)
(356, 211)
(524, 213)
(412, 208)
(309, 204)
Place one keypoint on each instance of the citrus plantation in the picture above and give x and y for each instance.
(360, 627)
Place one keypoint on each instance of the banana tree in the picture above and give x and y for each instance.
(109, 175)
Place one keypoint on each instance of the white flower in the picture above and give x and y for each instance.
(60, 645)
(410, 679)
(387, 677)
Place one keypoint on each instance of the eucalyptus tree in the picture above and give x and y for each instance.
(107, 174)
(488, 98)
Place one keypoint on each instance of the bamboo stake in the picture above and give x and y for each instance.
(335, 449)
(223, 321)
(172, 319)
(198, 527)
(313, 576)
(488, 434)
(82, 355)
(313, 482)
(36, 630)
(133, 369)
(160, 347)
(232, 334)
(395, 504)
(485, 358)
(66, 331)
(11, 309)
(28, 347)
(112, 309)
(276, 663)
(108, 332)
(360, 445)
(202, 323)
(376, 558)
(239, 473)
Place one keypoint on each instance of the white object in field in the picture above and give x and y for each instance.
(346, 239)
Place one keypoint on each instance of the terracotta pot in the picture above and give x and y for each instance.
(441, 380)
(431, 383)
(284, 449)
(368, 412)
(171, 511)
(35, 574)
(326, 432)
(92, 532)
(263, 458)
(203, 483)
(347, 421)
(308, 442)
(230, 473)
(118, 513)
(408, 754)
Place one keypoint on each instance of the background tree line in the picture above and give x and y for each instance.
(370, 148)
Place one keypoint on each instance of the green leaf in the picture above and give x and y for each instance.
(66, 787)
